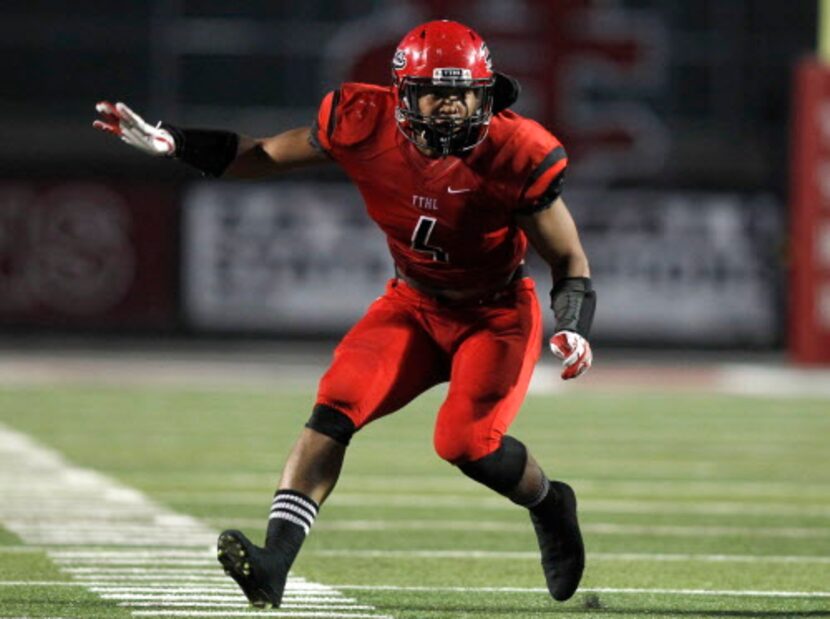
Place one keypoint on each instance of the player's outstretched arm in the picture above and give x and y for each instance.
(553, 234)
(215, 153)
(265, 156)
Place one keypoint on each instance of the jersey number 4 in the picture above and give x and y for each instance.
(420, 239)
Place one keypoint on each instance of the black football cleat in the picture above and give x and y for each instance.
(563, 553)
(259, 573)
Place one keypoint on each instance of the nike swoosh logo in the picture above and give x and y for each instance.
(451, 190)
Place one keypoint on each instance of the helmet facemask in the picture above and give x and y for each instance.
(445, 134)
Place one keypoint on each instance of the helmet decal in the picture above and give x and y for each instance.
(451, 76)
(399, 60)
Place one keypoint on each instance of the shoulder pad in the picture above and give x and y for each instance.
(359, 109)
(527, 154)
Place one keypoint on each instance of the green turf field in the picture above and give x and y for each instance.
(682, 497)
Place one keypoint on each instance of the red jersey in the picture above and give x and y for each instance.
(449, 222)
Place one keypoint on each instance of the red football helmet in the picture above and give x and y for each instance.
(450, 56)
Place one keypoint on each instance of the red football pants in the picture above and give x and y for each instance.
(407, 342)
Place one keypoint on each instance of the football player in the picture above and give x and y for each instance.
(459, 184)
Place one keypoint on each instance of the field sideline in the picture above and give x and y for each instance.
(695, 503)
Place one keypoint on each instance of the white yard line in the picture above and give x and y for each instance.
(146, 565)
(284, 606)
(187, 596)
(598, 556)
(104, 573)
(206, 592)
(32, 475)
(177, 553)
(103, 556)
(675, 487)
(131, 572)
(534, 590)
(255, 613)
(709, 558)
(721, 488)
(707, 531)
(704, 592)
(428, 502)
(597, 528)
(530, 590)
(704, 507)
(138, 575)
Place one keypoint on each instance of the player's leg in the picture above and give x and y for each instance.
(490, 374)
(552, 507)
(381, 364)
(309, 474)
(313, 465)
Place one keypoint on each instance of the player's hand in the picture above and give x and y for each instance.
(575, 352)
(120, 120)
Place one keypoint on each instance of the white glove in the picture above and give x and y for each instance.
(574, 350)
(120, 120)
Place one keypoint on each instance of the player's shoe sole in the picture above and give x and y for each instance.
(560, 541)
(257, 572)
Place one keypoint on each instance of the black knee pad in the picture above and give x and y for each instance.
(500, 470)
(331, 422)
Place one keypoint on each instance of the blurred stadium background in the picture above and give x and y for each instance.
(699, 136)
(676, 116)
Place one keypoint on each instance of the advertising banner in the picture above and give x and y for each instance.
(688, 268)
(289, 257)
(303, 258)
(87, 255)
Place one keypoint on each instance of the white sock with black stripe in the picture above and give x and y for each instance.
(294, 507)
(291, 518)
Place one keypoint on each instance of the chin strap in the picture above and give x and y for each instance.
(450, 144)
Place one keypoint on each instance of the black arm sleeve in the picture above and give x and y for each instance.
(574, 301)
(210, 151)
